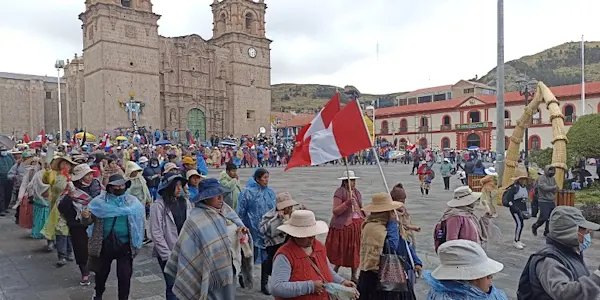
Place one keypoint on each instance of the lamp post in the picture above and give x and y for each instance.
(372, 108)
(60, 64)
(526, 89)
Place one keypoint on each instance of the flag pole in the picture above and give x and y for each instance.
(348, 175)
(373, 148)
(582, 76)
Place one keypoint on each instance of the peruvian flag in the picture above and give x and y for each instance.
(26, 139)
(322, 120)
(410, 146)
(105, 141)
(346, 134)
(43, 135)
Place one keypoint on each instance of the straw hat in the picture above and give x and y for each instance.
(284, 200)
(348, 175)
(170, 166)
(79, 171)
(57, 159)
(191, 173)
(520, 174)
(302, 223)
(491, 171)
(382, 202)
(463, 196)
(464, 260)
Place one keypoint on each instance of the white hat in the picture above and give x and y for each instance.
(191, 173)
(446, 160)
(491, 171)
(284, 200)
(382, 202)
(80, 170)
(302, 223)
(143, 159)
(15, 151)
(348, 175)
(463, 196)
(170, 166)
(464, 260)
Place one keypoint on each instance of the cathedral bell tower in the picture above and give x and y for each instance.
(120, 45)
(239, 25)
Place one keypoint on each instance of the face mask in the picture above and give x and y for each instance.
(154, 165)
(118, 192)
(587, 242)
(550, 174)
(143, 165)
(4, 153)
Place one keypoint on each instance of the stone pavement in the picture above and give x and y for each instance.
(27, 272)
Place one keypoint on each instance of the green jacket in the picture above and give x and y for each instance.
(232, 184)
(446, 169)
(6, 162)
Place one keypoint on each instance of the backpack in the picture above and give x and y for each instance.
(439, 234)
(505, 199)
(432, 174)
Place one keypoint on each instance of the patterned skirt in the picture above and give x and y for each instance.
(40, 215)
(26, 214)
(343, 245)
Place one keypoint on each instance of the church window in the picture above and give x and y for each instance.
(48, 95)
(249, 21)
(126, 3)
(250, 114)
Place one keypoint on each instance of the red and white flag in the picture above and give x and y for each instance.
(322, 120)
(43, 136)
(346, 135)
(410, 146)
(105, 141)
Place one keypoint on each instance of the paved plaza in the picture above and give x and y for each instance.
(28, 273)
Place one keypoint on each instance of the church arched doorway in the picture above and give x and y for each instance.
(196, 122)
(473, 139)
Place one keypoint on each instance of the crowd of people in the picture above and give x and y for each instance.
(94, 205)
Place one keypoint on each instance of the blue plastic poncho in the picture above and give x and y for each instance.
(454, 289)
(128, 206)
(201, 164)
(255, 201)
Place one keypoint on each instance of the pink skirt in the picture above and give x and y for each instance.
(343, 245)
(26, 214)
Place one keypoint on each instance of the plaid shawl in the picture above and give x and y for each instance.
(201, 259)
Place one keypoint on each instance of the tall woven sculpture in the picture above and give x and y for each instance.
(543, 95)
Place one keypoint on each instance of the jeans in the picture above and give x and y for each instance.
(169, 280)
(154, 192)
(447, 183)
(124, 272)
(64, 248)
(545, 211)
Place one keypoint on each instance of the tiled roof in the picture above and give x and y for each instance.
(435, 89)
(297, 121)
(16, 76)
(565, 91)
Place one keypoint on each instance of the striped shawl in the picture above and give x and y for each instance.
(201, 259)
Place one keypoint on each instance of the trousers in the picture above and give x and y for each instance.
(124, 272)
(546, 209)
(169, 281)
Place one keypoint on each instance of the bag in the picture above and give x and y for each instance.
(505, 199)
(431, 174)
(111, 244)
(439, 234)
(392, 277)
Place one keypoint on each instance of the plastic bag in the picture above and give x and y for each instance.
(341, 292)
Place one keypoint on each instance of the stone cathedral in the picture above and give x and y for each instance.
(129, 73)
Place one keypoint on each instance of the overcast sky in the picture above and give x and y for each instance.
(421, 43)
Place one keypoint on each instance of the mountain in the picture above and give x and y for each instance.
(311, 98)
(560, 65)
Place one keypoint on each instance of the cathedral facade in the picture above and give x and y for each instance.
(129, 74)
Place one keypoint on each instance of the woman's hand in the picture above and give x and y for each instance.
(348, 283)
(86, 214)
(318, 287)
(419, 270)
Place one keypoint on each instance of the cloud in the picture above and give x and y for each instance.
(421, 43)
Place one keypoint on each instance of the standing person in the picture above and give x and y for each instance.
(343, 239)
(254, 202)
(546, 188)
(24, 204)
(489, 190)
(230, 180)
(6, 163)
(383, 235)
(193, 181)
(515, 198)
(139, 189)
(152, 175)
(399, 194)
(424, 173)
(446, 172)
(73, 208)
(301, 268)
(15, 175)
(167, 215)
(465, 272)
(40, 193)
(557, 271)
(117, 234)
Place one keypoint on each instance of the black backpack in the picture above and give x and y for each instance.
(505, 199)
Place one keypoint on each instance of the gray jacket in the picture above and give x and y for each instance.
(163, 229)
(546, 187)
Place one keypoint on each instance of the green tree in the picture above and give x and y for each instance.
(583, 137)
(541, 158)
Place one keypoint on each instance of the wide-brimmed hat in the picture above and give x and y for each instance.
(381, 202)
(3, 148)
(519, 174)
(143, 159)
(170, 166)
(79, 171)
(15, 151)
(491, 171)
(188, 160)
(302, 223)
(79, 158)
(57, 159)
(348, 175)
(191, 173)
(209, 188)
(464, 260)
(167, 180)
(565, 221)
(118, 179)
(463, 196)
(284, 200)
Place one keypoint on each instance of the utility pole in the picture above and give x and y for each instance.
(500, 95)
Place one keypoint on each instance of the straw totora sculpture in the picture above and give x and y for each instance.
(559, 137)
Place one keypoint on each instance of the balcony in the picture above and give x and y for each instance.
(445, 127)
(570, 119)
(507, 123)
(471, 126)
(423, 129)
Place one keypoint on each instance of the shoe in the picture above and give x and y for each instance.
(522, 244)
(2, 214)
(518, 245)
(241, 282)
(70, 258)
(534, 230)
(94, 297)
(147, 241)
(85, 281)
(61, 262)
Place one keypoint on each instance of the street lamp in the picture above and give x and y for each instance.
(371, 107)
(527, 90)
(60, 64)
